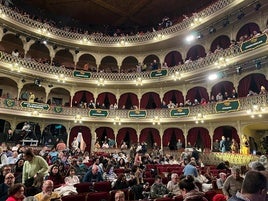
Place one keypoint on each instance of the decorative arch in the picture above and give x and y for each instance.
(11, 42)
(221, 87)
(38, 91)
(199, 137)
(247, 29)
(223, 41)
(87, 62)
(197, 93)
(64, 58)
(102, 133)
(128, 100)
(39, 52)
(171, 136)
(107, 99)
(9, 88)
(173, 58)
(196, 52)
(33, 133)
(109, 65)
(149, 59)
(150, 136)
(82, 96)
(56, 132)
(251, 82)
(128, 135)
(175, 96)
(150, 100)
(227, 131)
(86, 133)
(59, 96)
(129, 64)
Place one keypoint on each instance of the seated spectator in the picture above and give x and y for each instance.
(61, 146)
(251, 93)
(18, 170)
(47, 193)
(16, 192)
(72, 179)
(173, 185)
(121, 163)
(164, 105)
(14, 158)
(119, 196)
(189, 191)
(263, 91)
(219, 97)
(55, 176)
(15, 53)
(80, 168)
(9, 181)
(124, 146)
(204, 181)
(93, 175)
(121, 182)
(158, 189)
(190, 169)
(109, 174)
(220, 181)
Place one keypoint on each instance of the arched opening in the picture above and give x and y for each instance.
(173, 58)
(129, 65)
(81, 97)
(8, 88)
(39, 52)
(103, 134)
(150, 100)
(108, 65)
(175, 96)
(197, 93)
(221, 42)
(171, 137)
(87, 62)
(196, 52)
(104, 100)
(149, 60)
(85, 144)
(12, 42)
(5, 136)
(199, 137)
(246, 31)
(128, 101)
(64, 59)
(151, 136)
(128, 135)
(59, 96)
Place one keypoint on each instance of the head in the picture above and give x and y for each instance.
(95, 169)
(255, 185)
(235, 172)
(72, 172)
(9, 179)
(187, 184)
(222, 176)
(17, 190)
(6, 169)
(158, 179)
(28, 155)
(47, 186)
(119, 196)
(54, 170)
(257, 166)
(174, 178)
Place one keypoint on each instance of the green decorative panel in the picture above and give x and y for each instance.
(227, 106)
(81, 74)
(179, 112)
(158, 73)
(137, 113)
(98, 113)
(254, 42)
(40, 106)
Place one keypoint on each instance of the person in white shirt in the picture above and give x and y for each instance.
(13, 159)
(173, 185)
(3, 158)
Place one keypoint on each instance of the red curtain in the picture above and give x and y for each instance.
(145, 135)
(150, 100)
(224, 86)
(86, 133)
(251, 82)
(195, 133)
(173, 58)
(168, 133)
(173, 94)
(122, 134)
(223, 41)
(197, 93)
(79, 95)
(124, 97)
(111, 97)
(247, 29)
(227, 131)
(104, 131)
(196, 52)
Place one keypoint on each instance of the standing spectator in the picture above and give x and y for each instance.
(3, 157)
(254, 187)
(16, 192)
(9, 181)
(190, 169)
(15, 53)
(220, 181)
(33, 166)
(233, 183)
(223, 144)
(216, 146)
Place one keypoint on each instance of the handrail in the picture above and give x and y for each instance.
(72, 37)
(68, 113)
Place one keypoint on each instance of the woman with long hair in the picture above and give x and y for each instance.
(16, 192)
(55, 176)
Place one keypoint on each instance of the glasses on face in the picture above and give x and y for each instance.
(10, 177)
(7, 169)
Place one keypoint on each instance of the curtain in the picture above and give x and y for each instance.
(168, 135)
(122, 134)
(106, 98)
(196, 52)
(173, 58)
(174, 94)
(86, 133)
(128, 99)
(201, 134)
(197, 93)
(145, 134)
(221, 87)
(102, 132)
(150, 100)
(247, 29)
(223, 41)
(227, 131)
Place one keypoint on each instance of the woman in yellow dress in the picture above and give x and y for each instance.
(244, 145)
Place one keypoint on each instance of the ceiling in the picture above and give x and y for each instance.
(104, 14)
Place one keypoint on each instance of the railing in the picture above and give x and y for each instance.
(50, 71)
(70, 112)
(27, 23)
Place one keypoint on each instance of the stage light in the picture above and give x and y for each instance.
(213, 77)
(76, 51)
(239, 70)
(212, 30)
(190, 38)
(258, 64)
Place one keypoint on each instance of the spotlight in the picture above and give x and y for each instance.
(257, 6)
(199, 36)
(5, 30)
(258, 64)
(28, 39)
(44, 42)
(76, 51)
(212, 30)
(37, 82)
(240, 15)
(23, 80)
(55, 46)
(238, 70)
(190, 38)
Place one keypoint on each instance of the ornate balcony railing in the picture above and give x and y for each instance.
(27, 23)
(49, 71)
(68, 113)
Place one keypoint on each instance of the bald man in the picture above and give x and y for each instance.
(93, 175)
(47, 193)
